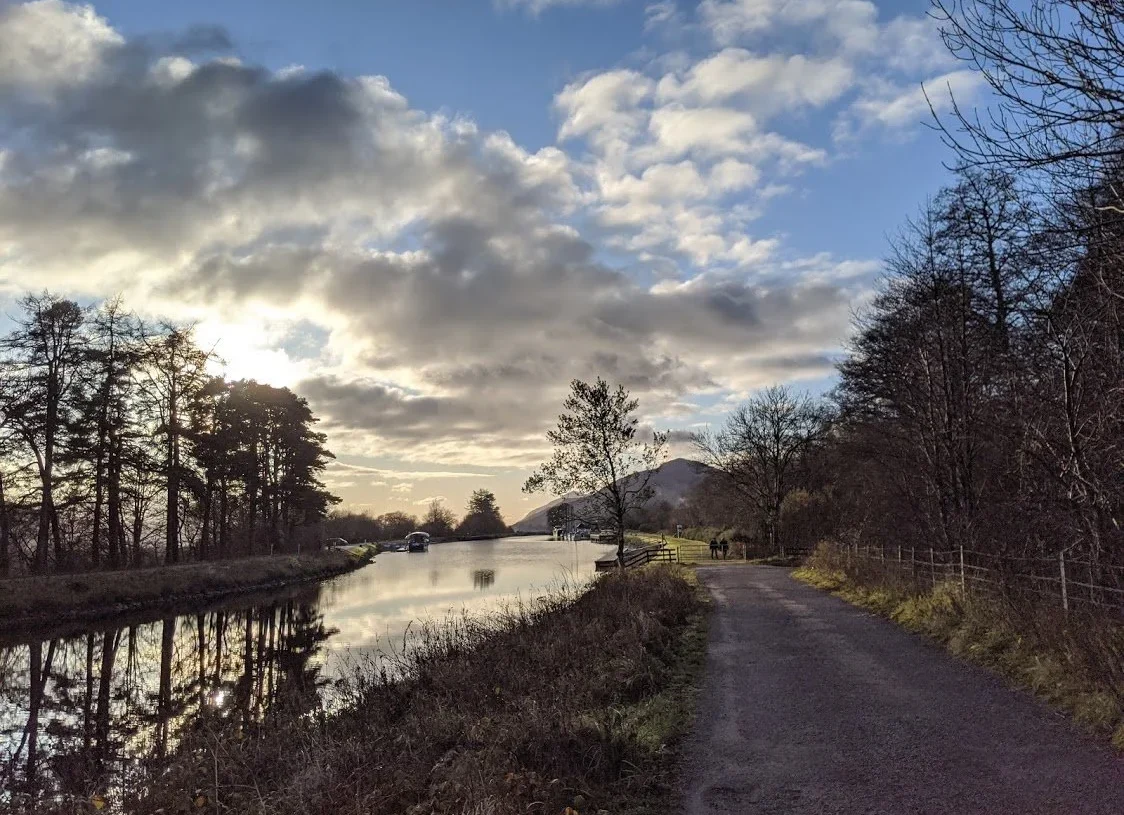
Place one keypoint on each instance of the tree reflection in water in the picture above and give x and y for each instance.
(483, 578)
(88, 717)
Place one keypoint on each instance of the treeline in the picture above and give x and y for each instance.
(119, 447)
(980, 404)
(482, 517)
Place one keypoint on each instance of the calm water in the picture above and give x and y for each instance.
(83, 714)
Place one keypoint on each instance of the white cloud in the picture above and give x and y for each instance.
(660, 14)
(48, 45)
(893, 106)
(539, 6)
(766, 84)
(606, 105)
(849, 25)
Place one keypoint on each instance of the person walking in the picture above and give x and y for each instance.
(725, 548)
(714, 548)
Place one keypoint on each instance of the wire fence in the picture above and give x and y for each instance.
(1069, 581)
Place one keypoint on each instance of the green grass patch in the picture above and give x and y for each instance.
(1067, 661)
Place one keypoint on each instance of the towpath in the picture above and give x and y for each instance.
(811, 705)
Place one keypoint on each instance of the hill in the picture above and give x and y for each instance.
(672, 482)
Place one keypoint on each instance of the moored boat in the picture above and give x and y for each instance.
(417, 542)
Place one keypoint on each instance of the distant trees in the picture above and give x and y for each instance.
(761, 447)
(102, 419)
(482, 516)
(396, 525)
(439, 520)
(599, 452)
(560, 515)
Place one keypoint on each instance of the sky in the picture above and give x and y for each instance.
(427, 217)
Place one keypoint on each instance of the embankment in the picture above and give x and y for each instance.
(571, 703)
(27, 603)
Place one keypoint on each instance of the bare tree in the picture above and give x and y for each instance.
(439, 520)
(1056, 72)
(761, 446)
(598, 452)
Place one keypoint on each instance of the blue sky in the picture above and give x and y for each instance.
(503, 66)
(427, 217)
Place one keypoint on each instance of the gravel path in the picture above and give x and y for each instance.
(812, 705)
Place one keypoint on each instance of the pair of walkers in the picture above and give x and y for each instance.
(716, 547)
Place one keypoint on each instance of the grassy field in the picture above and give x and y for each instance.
(573, 703)
(28, 601)
(1072, 661)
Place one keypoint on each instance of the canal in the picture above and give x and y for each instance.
(84, 715)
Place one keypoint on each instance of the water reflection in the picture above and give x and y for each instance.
(82, 715)
(483, 578)
(88, 714)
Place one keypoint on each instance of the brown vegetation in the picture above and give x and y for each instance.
(567, 702)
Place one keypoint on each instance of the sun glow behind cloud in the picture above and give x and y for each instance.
(429, 286)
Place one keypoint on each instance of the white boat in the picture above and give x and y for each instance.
(417, 542)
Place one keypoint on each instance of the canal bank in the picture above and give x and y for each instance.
(575, 699)
(89, 705)
(27, 603)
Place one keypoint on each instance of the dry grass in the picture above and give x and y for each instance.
(571, 701)
(1074, 661)
(27, 601)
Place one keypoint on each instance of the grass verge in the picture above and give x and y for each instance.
(26, 602)
(1075, 662)
(693, 550)
(573, 702)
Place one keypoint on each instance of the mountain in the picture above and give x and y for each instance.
(672, 482)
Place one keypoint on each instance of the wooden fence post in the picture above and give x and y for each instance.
(963, 583)
(1061, 569)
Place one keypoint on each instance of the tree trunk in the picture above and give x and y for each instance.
(115, 544)
(172, 523)
(164, 692)
(109, 641)
(5, 532)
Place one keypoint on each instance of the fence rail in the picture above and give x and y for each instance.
(639, 557)
(1070, 582)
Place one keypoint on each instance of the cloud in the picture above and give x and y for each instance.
(895, 107)
(766, 84)
(48, 46)
(684, 149)
(413, 475)
(425, 502)
(662, 14)
(424, 284)
(538, 6)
